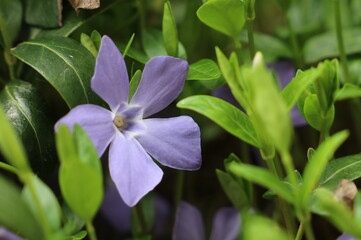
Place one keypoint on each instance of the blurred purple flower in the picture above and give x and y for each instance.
(285, 72)
(345, 236)
(174, 142)
(189, 224)
(7, 235)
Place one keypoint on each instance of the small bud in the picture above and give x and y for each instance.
(346, 192)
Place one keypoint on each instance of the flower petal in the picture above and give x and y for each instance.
(188, 223)
(132, 170)
(7, 235)
(162, 80)
(174, 142)
(110, 80)
(226, 224)
(345, 236)
(96, 121)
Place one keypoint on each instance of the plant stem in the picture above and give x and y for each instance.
(251, 46)
(290, 170)
(179, 187)
(91, 230)
(308, 230)
(300, 232)
(141, 218)
(8, 168)
(297, 54)
(238, 49)
(340, 41)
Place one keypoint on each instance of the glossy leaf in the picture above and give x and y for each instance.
(225, 16)
(325, 45)
(15, 214)
(325, 205)
(348, 167)
(224, 114)
(205, 69)
(262, 177)
(64, 63)
(80, 172)
(48, 202)
(25, 109)
(43, 13)
(10, 21)
(170, 33)
(259, 227)
(317, 164)
(10, 145)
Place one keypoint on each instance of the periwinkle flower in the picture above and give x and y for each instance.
(174, 142)
(345, 236)
(7, 235)
(189, 224)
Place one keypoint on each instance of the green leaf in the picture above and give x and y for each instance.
(48, 202)
(96, 38)
(270, 193)
(263, 177)
(128, 45)
(80, 172)
(15, 214)
(72, 222)
(294, 89)
(43, 13)
(357, 207)
(64, 63)
(134, 53)
(134, 82)
(348, 91)
(317, 164)
(225, 16)
(313, 113)
(153, 44)
(88, 43)
(204, 69)
(224, 114)
(336, 212)
(348, 167)
(10, 144)
(10, 21)
(170, 34)
(259, 227)
(271, 47)
(147, 206)
(25, 109)
(325, 45)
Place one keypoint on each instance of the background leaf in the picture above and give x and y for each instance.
(224, 114)
(43, 13)
(10, 21)
(204, 69)
(26, 111)
(64, 63)
(170, 33)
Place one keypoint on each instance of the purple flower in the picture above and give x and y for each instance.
(345, 236)
(174, 142)
(189, 224)
(7, 235)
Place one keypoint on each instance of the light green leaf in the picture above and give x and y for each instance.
(348, 91)
(348, 167)
(262, 177)
(224, 114)
(65, 64)
(317, 164)
(204, 69)
(97, 39)
(15, 214)
(134, 82)
(313, 113)
(88, 43)
(48, 202)
(226, 16)
(170, 34)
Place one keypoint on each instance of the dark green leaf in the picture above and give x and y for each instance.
(10, 21)
(263, 177)
(48, 202)
(134, 53)
(205, 69)
(147, 206)
(348, 167)
(97, 39)
(316, 166)
(25, 109)
(224, 114)
(80, 172)
(15, 214)
(226, 16)
(64, 63)
(153, 44)
(43, 13)
(170, 33)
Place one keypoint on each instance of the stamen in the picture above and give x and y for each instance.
(119, 122)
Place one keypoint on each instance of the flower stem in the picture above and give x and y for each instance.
(300, 232)
(91, 230)
(290, 170)
(141, 218)
(250, 30)
(340, 41)
(8, 168)
(238, 49)
(308, 230)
